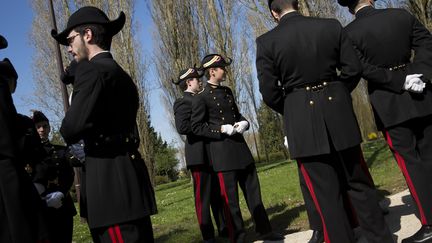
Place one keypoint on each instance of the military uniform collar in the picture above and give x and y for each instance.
(364, 11)
(289, 16)
(102, 54)
(213, 86)
(189, 93)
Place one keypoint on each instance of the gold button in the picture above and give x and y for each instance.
(101, 136)
(96, 144)
(221, 111)
(211, 91)
(307, 88)
(223, 118)
(133, 156)
(325, 83)
(232, 108)
(330, 98)
(230, 101)
(218, 104)
(214, 98)
(311, 102)
(127, 140)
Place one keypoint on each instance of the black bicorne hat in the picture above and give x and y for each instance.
(38, 116)
(186, 74)
(214, 60)
(89, 15)
(347, 3)
(269, 4)
(3, 42)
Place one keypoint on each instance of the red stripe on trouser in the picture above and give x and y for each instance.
(198, 204)
(112, 234)
(118, 233)
(402, 165)
(312, 192)
(227, 210)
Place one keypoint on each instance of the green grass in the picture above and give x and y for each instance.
(176, 221)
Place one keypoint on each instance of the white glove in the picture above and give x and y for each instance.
(413, 83)
(241, 126)
(54, 199)
(228, 129)
(286, 142)
(39, 187)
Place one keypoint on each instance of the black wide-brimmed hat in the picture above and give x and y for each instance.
(214, 60)
(89, 15)
(189, 73)
(38, 116)
(3, 42)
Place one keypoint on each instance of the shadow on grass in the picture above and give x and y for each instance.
(378, 148)
(173, 234)
(281, 218)
(268, 166)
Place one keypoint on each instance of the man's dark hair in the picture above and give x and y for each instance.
(207, 73)
(280, 5)
(100, 36)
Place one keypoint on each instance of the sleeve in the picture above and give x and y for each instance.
(198, 123)
(268, 78)
(349, 64)
(182, 116)
(7, 115)
(78, 118)
(421, 43)
(239, 116)
(390, 80)
(67, 174)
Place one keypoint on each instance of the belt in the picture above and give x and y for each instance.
(313, 86)
(397, 67)
(118, 141)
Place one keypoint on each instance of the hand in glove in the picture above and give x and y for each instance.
(54, 199)
(413, 83)
(228, 129)
(241, 126)
(286, 142)
(77, 151)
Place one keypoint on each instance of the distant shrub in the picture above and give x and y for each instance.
(159, 180)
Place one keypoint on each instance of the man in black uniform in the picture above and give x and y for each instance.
(297, 66)
(205, 180)
(402, 105)
(215, 116)
(20, 205)
(119, 195)
(56, 176)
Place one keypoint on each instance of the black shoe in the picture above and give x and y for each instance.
(317, 237)
(424, 235)
(272, 236)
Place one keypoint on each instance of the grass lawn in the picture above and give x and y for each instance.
(176, 221)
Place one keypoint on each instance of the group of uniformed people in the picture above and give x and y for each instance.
(306, 68)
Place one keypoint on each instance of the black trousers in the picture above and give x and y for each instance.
(323, 175)
(207, 195)
(60, 226)
(137, 231)
(312, 212)
(411, 144)
(249, 183)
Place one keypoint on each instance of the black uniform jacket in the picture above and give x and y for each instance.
(21, 209)
(194, 146)
(385, 39)
(300, 53)
(212, 108)
(103, 114)
(57, 175)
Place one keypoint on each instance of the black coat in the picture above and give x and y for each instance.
(385, 39)
(301, 51)
(103, 114)
(21, 209)
(212, 108)
(194, 146)
(56, 174)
